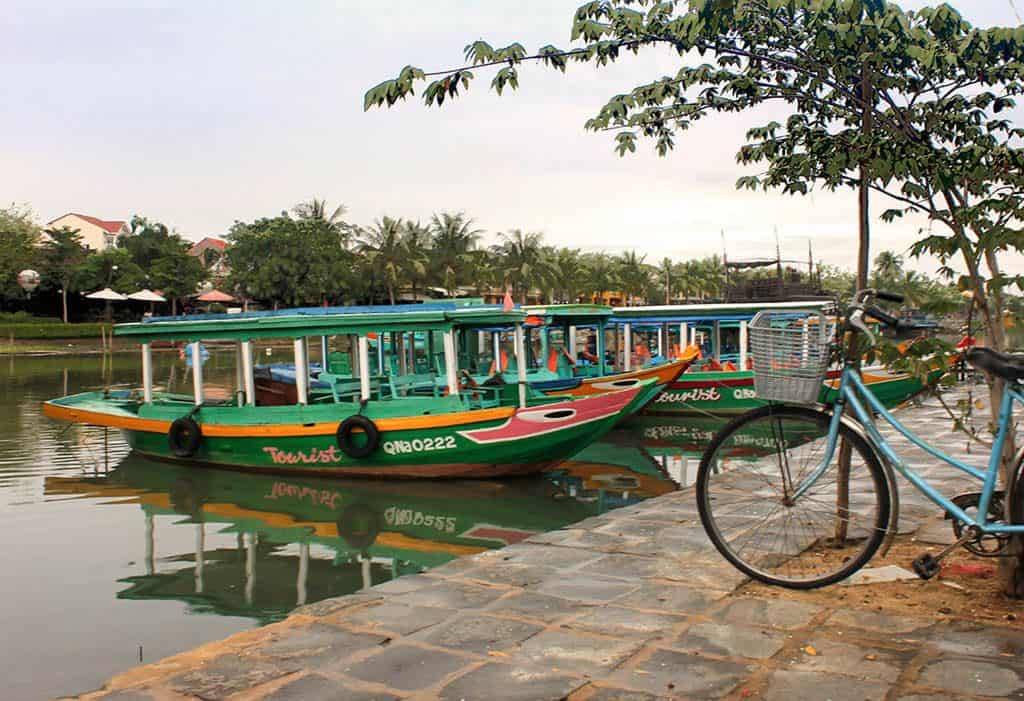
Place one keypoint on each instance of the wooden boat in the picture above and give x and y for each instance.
(356, 427)
(721, 383)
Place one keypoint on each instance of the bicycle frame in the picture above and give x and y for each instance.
(853, 394)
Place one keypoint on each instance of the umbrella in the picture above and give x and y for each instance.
(215, 296)
(107, 294)
(147, 296)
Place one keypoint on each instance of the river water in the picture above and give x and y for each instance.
(108, 560)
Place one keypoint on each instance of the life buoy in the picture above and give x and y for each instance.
(344, 436)
(358, 526)
(184, 437)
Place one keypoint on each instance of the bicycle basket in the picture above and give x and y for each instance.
(791, 354)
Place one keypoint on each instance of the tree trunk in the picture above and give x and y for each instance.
(391, 295)
(64, 302)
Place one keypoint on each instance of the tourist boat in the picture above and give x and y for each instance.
(303, 539)
(722, 382)
(558, 365)
(365, 426)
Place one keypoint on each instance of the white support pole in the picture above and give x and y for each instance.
(197, 372)
(684, 336)
(150, 545)
(325, 354)
(693, 335)
(716, 340)
(147, 373)
(301, 371)
(570, 343)
(364, 368)
(250, 566)
(247, 374)
(627, 341)
(451, 362)
(380, 353)
(661, 340)
(743, 345)
(239, 375)
(521, 365)
(496, 343)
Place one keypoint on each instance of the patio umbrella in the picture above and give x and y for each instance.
(215, 296)
(108, 295)
(147, 296)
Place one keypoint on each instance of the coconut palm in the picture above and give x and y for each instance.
(667, 272)
(569, 273)
(602, 275)
(383, 246)
(454, 237)
(634, 275)
(416, 238)
(317, 209)
(523, 261)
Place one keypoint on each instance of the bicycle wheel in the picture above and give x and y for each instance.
(744, 493)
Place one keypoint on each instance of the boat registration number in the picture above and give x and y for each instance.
(419, 445)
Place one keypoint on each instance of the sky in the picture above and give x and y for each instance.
(198, 114)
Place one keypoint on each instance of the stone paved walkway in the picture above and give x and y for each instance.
(632, 605)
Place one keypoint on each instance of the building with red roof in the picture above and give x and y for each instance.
(98, 234)
(210, 251)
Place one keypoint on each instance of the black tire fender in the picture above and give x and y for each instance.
(184, 437)
(344, 437)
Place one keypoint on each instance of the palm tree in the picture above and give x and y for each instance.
(385, 251)
(316, 209)
(454, 237)
(601, 274)
(523, 261)
(569, 273)
(416, 239)
(634, 275)
(667, 272)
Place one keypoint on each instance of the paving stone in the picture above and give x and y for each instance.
(975, 677)
(407, 667)
(477, 633)
(881, 623)
(853, 660)
(929, 697)
(546, 555)
(700, 573)
(774, 613)
(612, 694)
(129, 695)
(317, 644)
(512, 574)
(229, 674)
(459, 565)
(326, 607)
(670, 598)
(403, 585)
(579, 652)
(692, 676)
(614, 620)
(539, 607)
(626, 566)
(789, 685)
(451, 595)
(632, 528)
(316, 687)
(510, 683)
(978, 641)
(587, 587)
(730, 641)
(399, 618)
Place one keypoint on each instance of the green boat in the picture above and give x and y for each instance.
(368, 425)
(300, 539)
(722, 383)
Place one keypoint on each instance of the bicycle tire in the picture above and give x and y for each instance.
(725, 450)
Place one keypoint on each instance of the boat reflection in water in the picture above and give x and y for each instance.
(266, 544)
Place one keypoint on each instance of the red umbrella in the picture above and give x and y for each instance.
(215, 296)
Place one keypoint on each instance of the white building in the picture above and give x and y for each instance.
(97, 234)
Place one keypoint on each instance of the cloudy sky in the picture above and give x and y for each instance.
(199, 113)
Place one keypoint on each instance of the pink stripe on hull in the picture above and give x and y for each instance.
(537, 421)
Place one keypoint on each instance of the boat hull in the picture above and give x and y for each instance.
(479, 443)
(725, 393)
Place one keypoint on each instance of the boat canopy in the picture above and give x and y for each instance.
(679, 313)
(571, 314)
(318, 321)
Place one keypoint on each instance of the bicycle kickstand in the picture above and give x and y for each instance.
(927, 565)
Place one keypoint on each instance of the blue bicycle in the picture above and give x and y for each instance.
(772, 490)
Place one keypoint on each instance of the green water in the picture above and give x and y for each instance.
(109, 559)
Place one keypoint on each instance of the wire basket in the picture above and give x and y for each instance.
(791, 354)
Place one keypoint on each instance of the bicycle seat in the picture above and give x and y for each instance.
(1008, 366)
